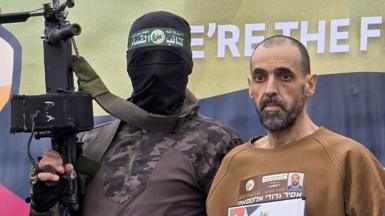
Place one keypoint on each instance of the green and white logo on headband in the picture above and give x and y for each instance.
(159, 37)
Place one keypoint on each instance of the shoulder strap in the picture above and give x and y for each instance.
(136, 116)
(89, 160)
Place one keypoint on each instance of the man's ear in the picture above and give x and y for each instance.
(249, 82)
(311, 83)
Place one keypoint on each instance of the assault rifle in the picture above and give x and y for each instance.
(62, 112)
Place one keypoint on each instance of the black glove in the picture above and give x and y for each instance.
(46, 194)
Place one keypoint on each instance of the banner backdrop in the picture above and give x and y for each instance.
(345, 40)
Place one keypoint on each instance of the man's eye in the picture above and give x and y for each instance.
(286, 76)
(259, 77)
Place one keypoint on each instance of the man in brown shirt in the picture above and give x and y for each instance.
(338, 175)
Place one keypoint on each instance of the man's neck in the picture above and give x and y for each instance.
(301, 128)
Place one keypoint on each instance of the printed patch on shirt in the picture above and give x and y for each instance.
(271, 187)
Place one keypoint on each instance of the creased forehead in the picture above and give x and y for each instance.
(279, 40)
(279, 56)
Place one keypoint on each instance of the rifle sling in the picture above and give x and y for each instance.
(89, 160)
(136, 116)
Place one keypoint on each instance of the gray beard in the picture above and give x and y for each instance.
(284, 118)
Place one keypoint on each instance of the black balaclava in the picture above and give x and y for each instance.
(159, 61)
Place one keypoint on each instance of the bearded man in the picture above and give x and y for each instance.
(338, 175)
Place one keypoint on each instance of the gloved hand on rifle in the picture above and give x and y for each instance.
(88, 80)
(49, 188)
(50, 185)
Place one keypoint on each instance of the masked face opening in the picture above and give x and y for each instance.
(159, 80)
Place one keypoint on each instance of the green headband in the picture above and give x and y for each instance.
(159, 37)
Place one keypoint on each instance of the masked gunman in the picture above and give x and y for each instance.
(161, 155)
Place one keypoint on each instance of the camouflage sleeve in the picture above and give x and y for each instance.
(215, 160)
(220, 140)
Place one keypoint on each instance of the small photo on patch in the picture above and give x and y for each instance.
(295, 182)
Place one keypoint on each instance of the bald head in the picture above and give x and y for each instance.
(277, 40)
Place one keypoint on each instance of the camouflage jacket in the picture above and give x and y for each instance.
(157, 173)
